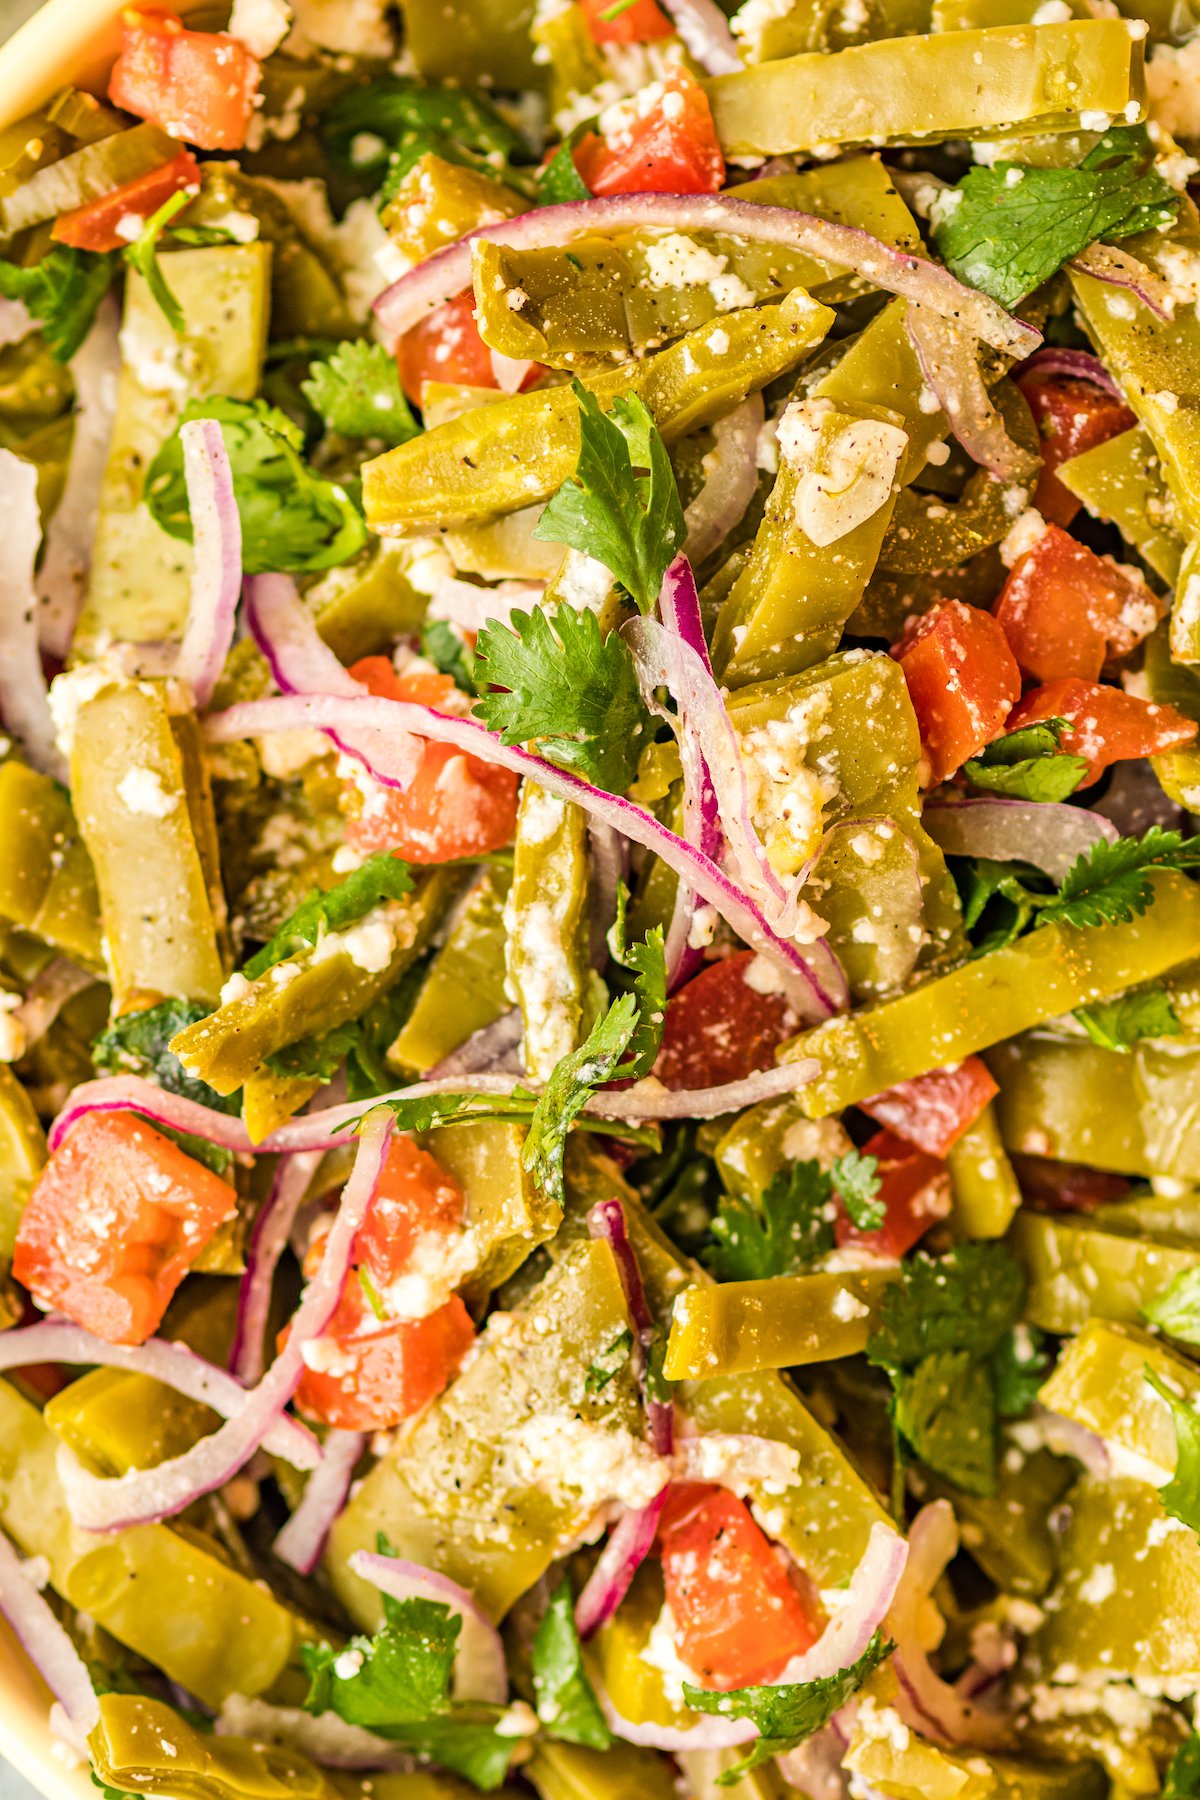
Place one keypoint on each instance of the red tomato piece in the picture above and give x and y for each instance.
(1072, 416)
(721, 1026)
(95, 226)
(640, 23)
(457, 805)
(962, 680)
(1050, 1186)
(1105, 724)
(662, 141)
(114, 1222)
(932, 1111)
(1066, 611)
(915, 1190)
(198, 85)
(445, 347)
(374, 1366)
(738, 1619)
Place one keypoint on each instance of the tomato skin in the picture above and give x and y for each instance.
(114, 1222)
(445, 347)
(962, 680)
(718, 1028)
(640, 23)
(94, 226)
(915, 1190)
(456, 805)
(1066, 611)
(670, 148)
(738, 1619)
(1050, 1186)
(1105, 724)
(1072, 416)
(370, 1372)
(197, 85)
(932, 1111)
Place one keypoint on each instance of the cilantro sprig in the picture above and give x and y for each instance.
(382, 877)
(1028, 764)
(569, 1088)
(62, 292)
(567, 688)
(1008, 228)
(1121, 1023)
(356, 391)
(1182, 1780)
(1176, 1310)
(566, 1702)
(138, 1043)
(792, 1227)
(786, 1715)
(630, 521)
(647, 964)
(390, 123)
(1181, 1495)
(942, 1327)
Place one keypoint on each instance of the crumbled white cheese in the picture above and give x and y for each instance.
(1094, 121)
(751, 20)
(12, 1032)
(676, 261)
(846, 1306)
(370, 944)
(355, 27)
(1053, 12)
(1029, 529)
(846, 466)
(236, 988)
(582, 582)
(661, 1652)
(437, 1265)
(1173, 88)
(141, 791)
(593, 1464)
(325, 1356)
(261, 25)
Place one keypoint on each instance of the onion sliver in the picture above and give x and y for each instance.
(217, 566)
(302, 1539)
(46, 1643)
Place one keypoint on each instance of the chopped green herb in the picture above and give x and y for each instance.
(785, 1234)
(1120, 1024)
(357, 393)
(62, 292)
(566, 1703)
(382, 877)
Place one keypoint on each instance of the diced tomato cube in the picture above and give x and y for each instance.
(114, 1222)
(1066, 611)
(456, 805)
(96, 226)
(932, 1111)
(914, 1189)
(1105, 724)
(962, 681)
(640, 23)
(1050, 1186)
(197, 85)
(398, 1333)
(723, 1025)
(1072, 416)
(662, 141)
(447, 347)
(738, 1618)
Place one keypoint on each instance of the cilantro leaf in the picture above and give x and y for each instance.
(214, 1156)
(566, 1704)
(138, 1043)
(783, 1235)
(469, 1742)
(360, 1044)
(1109, 884)
(357, 393)
(559, 181)
(291, 517)
(62, 292)
(1182, 1780)
(1006, 237)
(449, 653)
(1028, 764)
(570, 1087)
(1019, 1364)
(382, 877)
(610, 1362)
(647, 961)
(364, 128)
(399, 1676)
(1181, 1495)
(631, 523)
(1176, 1310)
(788, 1714)
(142, 255)
(572, 691)
(1120, 1024)
(945, 1410)
(856, 1178)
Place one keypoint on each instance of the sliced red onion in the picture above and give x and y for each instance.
(24, 708)
(706, 36)
(607, 868)
(324, 1738)
(147, 1495)
(70, 534)
(1048, 834)
(490, 1050)
(815, 1767)
(470, 606)
(679, 606)
(730, 478)
(268, 1240)
(46, 1643)
(55, 1341)
(949, 359)
(47, 994)
(302, 1539)
(939, 1709)
(708, 1733)
(330, 713)
(1135, 799)
(480, 1670)
(629, 1544)
(441, 276)
(1080, 365)
(217, 565)
(607, 1221)
(1103, 262)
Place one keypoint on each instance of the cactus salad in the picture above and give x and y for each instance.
(599, 921)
